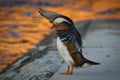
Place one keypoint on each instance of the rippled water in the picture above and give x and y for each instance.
(20, 30)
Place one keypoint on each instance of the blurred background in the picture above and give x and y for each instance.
(21, 26)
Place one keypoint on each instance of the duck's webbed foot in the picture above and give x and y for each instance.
(69, 71)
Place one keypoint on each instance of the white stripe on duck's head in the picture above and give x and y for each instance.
(61, 19)
(62, 22)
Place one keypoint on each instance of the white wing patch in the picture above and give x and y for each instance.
(59, 20)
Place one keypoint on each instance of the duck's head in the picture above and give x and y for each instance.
(58, 21)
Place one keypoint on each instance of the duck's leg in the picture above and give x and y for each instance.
(69, 71)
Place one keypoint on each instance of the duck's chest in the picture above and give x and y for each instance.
(61, 47)
(64, 52)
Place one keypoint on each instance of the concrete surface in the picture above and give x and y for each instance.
(101, 44)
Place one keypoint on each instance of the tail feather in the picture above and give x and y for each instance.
(92, 62)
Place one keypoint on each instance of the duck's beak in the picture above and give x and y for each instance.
(53, 26)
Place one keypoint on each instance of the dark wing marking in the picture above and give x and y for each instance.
(70, 35)
(76, 56)
(78, 38)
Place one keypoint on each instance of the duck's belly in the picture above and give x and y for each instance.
(64, 52)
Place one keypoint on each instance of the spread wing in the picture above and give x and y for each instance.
(72, 40)
(71, 35)
(78, 38)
